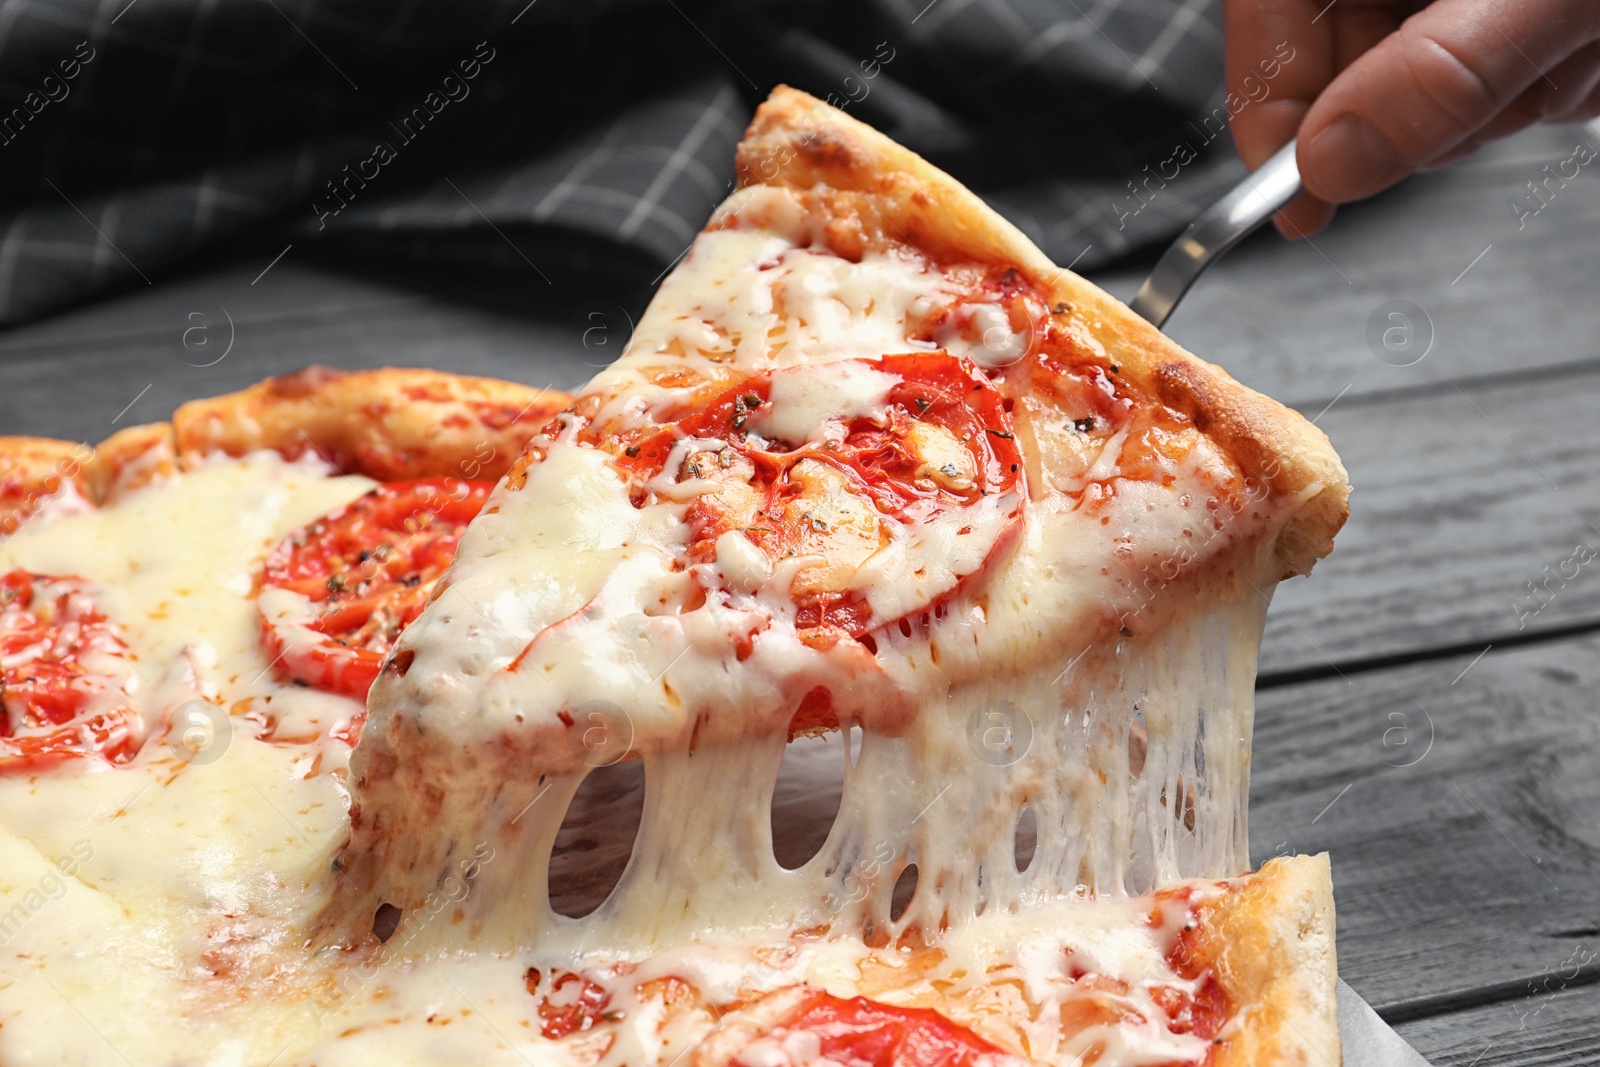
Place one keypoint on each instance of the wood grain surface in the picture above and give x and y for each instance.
(1558, 1026)
(1463, 496)
(1457, 797)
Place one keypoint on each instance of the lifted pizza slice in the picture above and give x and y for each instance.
(870, 462)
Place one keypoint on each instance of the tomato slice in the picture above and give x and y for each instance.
(63, 677)
(865, 1033)
(939, 444)
(570, 1004)
(365, 571)
(1202, 1013)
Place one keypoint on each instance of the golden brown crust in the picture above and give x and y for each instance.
(33, 470)
(1271, 943)
(798, 142)
(388, 424)
(129, 458)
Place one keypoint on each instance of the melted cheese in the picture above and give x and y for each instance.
(811, 402)
(189, 866)
(177, 566)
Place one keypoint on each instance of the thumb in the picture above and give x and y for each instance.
(1443, 75)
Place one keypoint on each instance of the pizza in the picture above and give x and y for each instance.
(301, 688)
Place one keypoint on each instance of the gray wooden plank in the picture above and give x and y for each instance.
(1291, 318)
(1460, 802)
(1462, 498)
(76, 375)
(1552, 1024)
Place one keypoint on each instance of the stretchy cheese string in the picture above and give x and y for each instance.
(946, 795)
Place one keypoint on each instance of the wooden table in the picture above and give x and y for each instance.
(1423, 717)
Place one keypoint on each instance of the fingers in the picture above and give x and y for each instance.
(1424, 90)
(1306, 217)
(1575, 81)
(1283, 38)
(1374, 99)
(1355, 26)
(1569, 93)
(1454, 155)
(1286, 40)
(1587, 108)
(1557, 97)
(1523, 112)
(1358, 25)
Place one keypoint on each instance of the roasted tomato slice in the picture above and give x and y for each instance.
(64, 672)
(362, 574)
(568, 1003)
(836, 461)
(865, 1033)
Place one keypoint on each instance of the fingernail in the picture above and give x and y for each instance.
(1350, 159)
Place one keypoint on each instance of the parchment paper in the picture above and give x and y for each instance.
(1369, 1041)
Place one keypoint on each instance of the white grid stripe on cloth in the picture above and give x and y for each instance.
(716, 113)
(573, 180)
(105, 249)
(1188, 19)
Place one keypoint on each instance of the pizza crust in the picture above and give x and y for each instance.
(1271, 943)
(799, 142)
(389, 424)
(34, 471)
(130, 458)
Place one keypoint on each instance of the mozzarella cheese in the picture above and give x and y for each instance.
(189, 866)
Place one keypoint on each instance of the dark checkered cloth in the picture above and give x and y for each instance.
(563, 139)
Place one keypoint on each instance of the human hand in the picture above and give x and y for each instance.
(1377, 89)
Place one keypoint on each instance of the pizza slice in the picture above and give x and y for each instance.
(872, 464)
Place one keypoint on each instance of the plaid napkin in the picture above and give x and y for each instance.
(563, 140)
